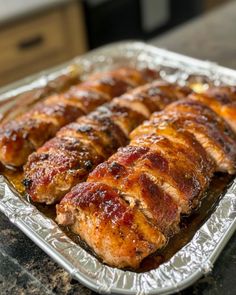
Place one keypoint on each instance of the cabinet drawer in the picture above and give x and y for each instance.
(27, 42)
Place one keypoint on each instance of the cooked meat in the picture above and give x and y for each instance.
(157, 95)
(139, 187)
(68, 158)
(20, 137)
(119, 234)
(210, 130)
(225, 93)
(64, 160)
(222, 100)
(186, 141)
(171, 164)
(162, 173)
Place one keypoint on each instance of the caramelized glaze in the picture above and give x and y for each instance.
(188, 226)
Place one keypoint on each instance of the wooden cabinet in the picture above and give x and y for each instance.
(41, 41)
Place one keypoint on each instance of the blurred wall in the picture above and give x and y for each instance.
(210, 4)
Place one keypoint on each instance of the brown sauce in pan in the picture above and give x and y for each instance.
(189, 224)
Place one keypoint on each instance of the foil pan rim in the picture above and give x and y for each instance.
(188, 264)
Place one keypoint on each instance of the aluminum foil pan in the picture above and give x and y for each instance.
(188, 264)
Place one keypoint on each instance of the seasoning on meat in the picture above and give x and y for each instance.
(161, 174)
(78, 147)
(20, 137)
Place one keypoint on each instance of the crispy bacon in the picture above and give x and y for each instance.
(20, 137)
(222, 100)
(162, 173)
(122, 229)
(64, 159)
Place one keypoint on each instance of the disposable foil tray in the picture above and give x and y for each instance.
(188, 264)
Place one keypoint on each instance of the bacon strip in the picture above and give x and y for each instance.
(78, 147)
(20, 137)
(163, 173)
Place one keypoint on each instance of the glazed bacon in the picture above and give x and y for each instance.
(222, 100)
(20, 137)
(210, 130)
(122, 229)
(163, 173)
(78, 147)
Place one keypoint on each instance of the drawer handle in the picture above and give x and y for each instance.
(30, 42)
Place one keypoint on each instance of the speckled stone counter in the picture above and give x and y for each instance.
(26, 269)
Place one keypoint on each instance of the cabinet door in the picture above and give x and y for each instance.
(41, 41)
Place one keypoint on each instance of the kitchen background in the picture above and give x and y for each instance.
(37, 34)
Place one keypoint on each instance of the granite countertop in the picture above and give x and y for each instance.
(26, 269)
